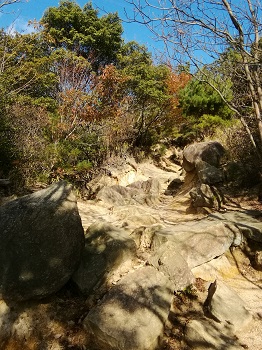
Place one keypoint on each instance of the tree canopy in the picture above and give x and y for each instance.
(82, 31)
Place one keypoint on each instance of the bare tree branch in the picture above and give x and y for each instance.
(8, 2)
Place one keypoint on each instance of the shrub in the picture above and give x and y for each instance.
(241, 161)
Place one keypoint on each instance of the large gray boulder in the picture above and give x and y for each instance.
(209, 152)
(41, 242)
(206, 196)
(132, 315)
(203, 159)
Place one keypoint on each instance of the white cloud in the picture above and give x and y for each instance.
(20, 26)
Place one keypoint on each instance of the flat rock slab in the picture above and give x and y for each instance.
(108, 251)
(132, 315)
(168, 260)
(228, 307)
(246, 221)
(208, 335)
(197, 241)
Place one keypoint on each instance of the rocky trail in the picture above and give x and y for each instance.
(233, 267)
(156, 273)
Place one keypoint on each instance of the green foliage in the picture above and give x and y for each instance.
(230, 68)
(147, 87)
(189, 292)
(241, 167)
(203, 110)
(26, 68)
(147, 81)
(24, 137)
(73, 160)
(198, 98)
(83, 165)
(207, 124)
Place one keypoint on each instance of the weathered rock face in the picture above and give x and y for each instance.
(41, 242)
(248, 224)
(109, 251)
(128, 303)
(169, 261)
(209, 335)
(225, 313)
(196, 243)
(172, 250)
(226, 306)
(140, 192)
(208, 174)
(203, 159)
(202, 196)
(132, 315)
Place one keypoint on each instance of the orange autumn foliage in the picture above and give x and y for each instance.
(103, 100)
(175, 82)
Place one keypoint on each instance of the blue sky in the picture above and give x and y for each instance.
(18, 15)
